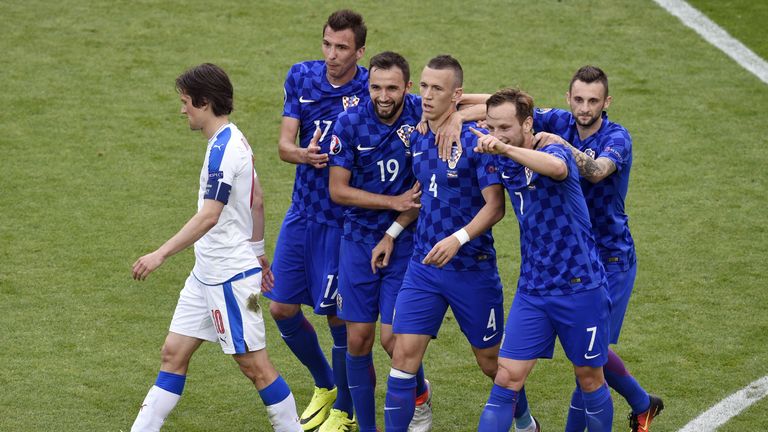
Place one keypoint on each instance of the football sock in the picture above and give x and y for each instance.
(159, 402)
(400, 401)
(339, 359)
(598, 407)
(421, 385)
(617, 376)
(577, 419)
(523, 419)
(281, 406)
(497, 415)
(361, 376)
(301, 338)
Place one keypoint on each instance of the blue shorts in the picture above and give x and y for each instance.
(306, 264)
(581, 321)
(475, 297)
(362, 294)
(620, 284)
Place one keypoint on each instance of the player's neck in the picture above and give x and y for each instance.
(586, 132)
(528, 141)
(393, 119)
(213, 125)
(435, 125)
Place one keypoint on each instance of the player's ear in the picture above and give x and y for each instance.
(528, 124)
(608, 101)
(457, 95)
(360, 53)
(408, 86)
(568, 97)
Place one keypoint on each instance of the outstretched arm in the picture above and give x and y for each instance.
(594, 170)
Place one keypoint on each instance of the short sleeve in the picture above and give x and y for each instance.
(618, 148)
(291, 105)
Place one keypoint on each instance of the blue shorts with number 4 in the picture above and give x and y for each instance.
(364, 295)
(475, 297)
(581, 321)
(306, 264)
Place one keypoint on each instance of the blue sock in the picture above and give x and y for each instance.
(618, 377)
(339, 359)
(577, 419)
(421, 386)
(301, 338)
(598, 407)
(400, 401)
(497, 415)
(275, 392)
(522, 415)
(362, 386)
(171, 382)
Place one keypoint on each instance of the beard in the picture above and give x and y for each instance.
(391, 113)
(589, 122)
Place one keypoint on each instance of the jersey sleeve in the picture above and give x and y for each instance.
(485, 167)
(550, 120)
(224, 164)
(341, 150)
(618, 148)
(291, 105)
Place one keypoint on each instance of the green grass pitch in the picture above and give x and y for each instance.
(98, 168)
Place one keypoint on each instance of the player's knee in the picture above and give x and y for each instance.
(280, 311)
(488, 366)
(510, 377)
(590, 379)
(388, 343)
(173, 360)
(360, 342)
(334, 321)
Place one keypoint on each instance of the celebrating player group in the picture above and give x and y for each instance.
(391, 218)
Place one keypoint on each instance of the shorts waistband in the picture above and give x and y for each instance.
(236, 277)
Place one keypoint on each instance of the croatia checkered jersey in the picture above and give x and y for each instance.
(557, 246)
(311, 99)
(605, 199)
(378, 157)
(227, 176)
(451, 197)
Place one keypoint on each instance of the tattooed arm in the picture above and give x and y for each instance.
(594, 170)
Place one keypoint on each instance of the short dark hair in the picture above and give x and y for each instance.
(590, 74)
(207, 83)
(348, 19)
(445, 61)
(387, 60)
(522, 101)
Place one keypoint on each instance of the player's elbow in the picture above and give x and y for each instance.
(559, 171)
(339, 195)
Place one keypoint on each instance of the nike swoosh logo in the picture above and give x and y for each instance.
(302, 100)
(504, 176)
(593, 413)
(361, 148)
(417, 153)
(589, 357)
(351, 387)
(386, 408)
(325, 305)
(487, 338)
(309, 419)
(575, 408)
(493, 405)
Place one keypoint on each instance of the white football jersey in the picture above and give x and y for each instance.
(227, 176)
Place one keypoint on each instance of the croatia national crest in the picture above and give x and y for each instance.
(349, 101)
(528, 176)
(404, 133)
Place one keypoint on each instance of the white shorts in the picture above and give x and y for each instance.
(228, 313)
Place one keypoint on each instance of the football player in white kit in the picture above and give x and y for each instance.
(219, 302)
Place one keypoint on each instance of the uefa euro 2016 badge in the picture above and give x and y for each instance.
(404, 133)
(349, 101)
(455, 155)
(590, 153)
(339, 302)
(335, 145)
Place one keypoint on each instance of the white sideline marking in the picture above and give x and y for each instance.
(718, 37)
(729, 407)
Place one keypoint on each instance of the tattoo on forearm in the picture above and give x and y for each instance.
(588, 167)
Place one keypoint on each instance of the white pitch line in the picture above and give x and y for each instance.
(729, 407)
(718, 37)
